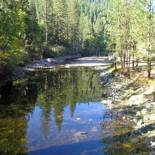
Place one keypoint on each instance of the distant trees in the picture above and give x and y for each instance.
(59, 21)
(131, 31)
(37, 28)
(149, 34)
(73, 21)
(77, 25)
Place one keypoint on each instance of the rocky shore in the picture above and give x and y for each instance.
(133, 100)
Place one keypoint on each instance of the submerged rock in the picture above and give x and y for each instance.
(78, 119)
(94, 129)
(79, 135)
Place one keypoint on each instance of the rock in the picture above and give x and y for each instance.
(105, 77)
(104, 95)
(146, 117)
(67, 66)
(78, 119)
(94, 129)
(150, 91)
(83, 133)
(79, 135)
(139, 124)
(148, 105)
(152, 117)
(152, 103)
(152, 144)
(50, 60)
(138, 113)
(134, 120)
(123, 117)
(144, 111)
(136, 99)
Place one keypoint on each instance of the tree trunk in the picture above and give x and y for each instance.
(153, 96)
(124, 60)
(133, 61)
(129, 62)
(46, 27)
(149, 35)
(149, 68)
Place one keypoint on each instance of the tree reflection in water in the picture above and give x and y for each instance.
(46, 112)
(52, 92)
(66, 87)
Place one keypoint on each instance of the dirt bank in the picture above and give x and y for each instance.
(133, 101)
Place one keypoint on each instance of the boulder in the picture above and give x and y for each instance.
(136, 99)
(149, 91)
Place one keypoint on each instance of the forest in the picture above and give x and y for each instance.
(33, 29)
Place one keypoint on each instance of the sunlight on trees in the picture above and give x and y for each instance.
(35, 28)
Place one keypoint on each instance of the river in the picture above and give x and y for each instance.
(60, 112)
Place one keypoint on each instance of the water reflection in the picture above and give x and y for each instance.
(66, 87)
(15, 103)
(50, 109)
(81, 130)
(121, 138)
(59, 113)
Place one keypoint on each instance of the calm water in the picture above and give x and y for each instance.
(60, 113)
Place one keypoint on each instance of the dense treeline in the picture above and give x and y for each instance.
(131, 25)
(36, 28)
(72, 25)
(33, 29)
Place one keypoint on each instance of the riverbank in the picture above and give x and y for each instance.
(65, 62)
(133, 99)
(71, 62)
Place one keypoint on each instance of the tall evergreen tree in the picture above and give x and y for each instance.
(73, 20)
(59, 10)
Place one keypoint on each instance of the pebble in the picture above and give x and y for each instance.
(138, 113)
(152, 144)
(139, 124)
(148, 105)
(144, 111)
(123, 117)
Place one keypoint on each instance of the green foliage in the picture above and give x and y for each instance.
(11, 33)
(38, 28)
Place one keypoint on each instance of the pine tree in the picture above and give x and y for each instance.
(59, 21)
(73, 20)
